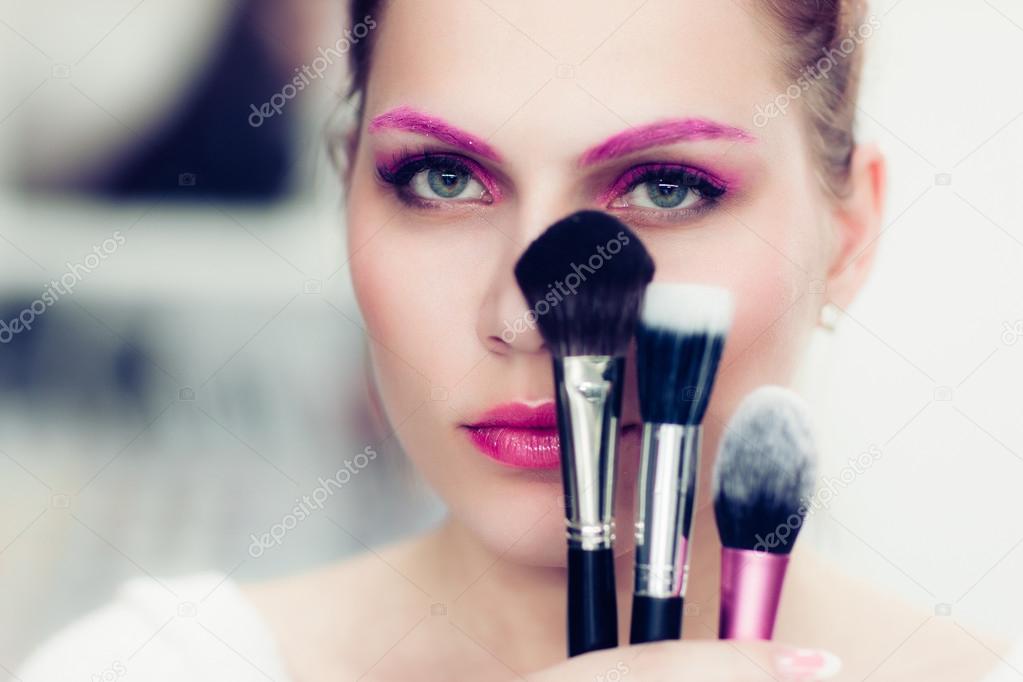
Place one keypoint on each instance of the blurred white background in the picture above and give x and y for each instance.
(210, 369)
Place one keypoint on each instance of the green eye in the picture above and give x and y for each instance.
(666, 194)
(667, 189)
(447, 184)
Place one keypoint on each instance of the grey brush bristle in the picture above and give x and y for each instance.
(584, 278)
(765, 472)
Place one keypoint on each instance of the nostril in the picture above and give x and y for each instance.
(496, 344)
(504, 346)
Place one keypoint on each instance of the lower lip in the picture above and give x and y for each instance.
(521, 448)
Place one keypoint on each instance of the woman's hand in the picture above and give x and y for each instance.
(697, 661)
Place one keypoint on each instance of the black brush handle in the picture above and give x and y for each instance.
(592, 602)
(655, 619)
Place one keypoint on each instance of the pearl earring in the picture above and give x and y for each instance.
(828, 317)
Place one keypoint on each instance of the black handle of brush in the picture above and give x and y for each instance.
(655, 619)
(592, 601)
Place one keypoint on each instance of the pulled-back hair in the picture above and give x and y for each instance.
(821, 64)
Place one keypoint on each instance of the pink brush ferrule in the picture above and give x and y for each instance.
(751, 583)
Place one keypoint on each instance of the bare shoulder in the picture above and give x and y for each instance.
(878, 634)
(196, 627)
(342, 617)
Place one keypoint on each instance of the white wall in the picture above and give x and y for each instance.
(922, 365)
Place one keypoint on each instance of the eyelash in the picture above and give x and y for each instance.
(709, 189)
(406, 164)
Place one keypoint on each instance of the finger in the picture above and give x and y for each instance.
(733, 661)
(707, 661)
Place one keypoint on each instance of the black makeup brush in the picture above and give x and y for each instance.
(763, 479)
(679, 342)
(584, 280)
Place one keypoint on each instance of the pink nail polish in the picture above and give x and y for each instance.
(807, 665)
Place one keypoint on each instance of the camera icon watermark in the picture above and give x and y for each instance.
(187, 609)
(187, 180)
(565, 71)
(439, 394)
(943, 609)
(61, 71)
(186, 394)
(691, 393)
(312, 286)
(60, 501)
(943, 394)
(943, 180)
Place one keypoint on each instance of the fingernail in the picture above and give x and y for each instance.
(807, 665)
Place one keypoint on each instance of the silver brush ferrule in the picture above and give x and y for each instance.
(588, 394)
(669, 460)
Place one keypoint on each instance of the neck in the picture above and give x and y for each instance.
(521, 608)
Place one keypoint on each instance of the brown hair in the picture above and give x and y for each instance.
(821, 57)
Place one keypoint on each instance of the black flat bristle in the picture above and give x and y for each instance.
(764, 474)
(584, 280)
(679, 342)
(676, 374)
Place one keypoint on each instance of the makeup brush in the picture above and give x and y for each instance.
(763, 479)
(584, 280)
(679, 342)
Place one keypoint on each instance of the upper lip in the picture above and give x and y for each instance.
(518, 415)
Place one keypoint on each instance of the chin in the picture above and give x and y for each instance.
(519, 514)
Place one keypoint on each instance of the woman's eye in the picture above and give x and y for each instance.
(430, 179)
(446, 183)
(667, 190)
(663, 194)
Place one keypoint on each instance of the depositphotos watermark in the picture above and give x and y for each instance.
(615, 674)
(560, 290)
(1012, 332)
(307, 504)
(812, 73)
(115, 671)
(307, 73)
(821, 499)
(64, 286)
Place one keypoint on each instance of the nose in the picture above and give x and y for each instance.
(505, 324)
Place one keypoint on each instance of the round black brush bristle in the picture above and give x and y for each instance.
(679, 342)
(584, 279)
(765, 471)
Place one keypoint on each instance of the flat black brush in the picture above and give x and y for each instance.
(679, 342)
(763, 479)
(584, 280)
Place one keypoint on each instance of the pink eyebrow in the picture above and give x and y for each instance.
(408, 119)
(659, 133)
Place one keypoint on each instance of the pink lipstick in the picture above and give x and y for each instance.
(519, 435)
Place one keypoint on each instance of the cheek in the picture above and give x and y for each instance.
(769, 274)
(410, 287)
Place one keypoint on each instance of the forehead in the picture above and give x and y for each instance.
(563, 72)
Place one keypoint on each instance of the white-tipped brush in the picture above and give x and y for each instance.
(679, 342)
(763, 479)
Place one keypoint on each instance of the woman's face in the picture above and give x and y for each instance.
(530, 111)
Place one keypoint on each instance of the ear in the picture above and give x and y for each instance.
(857, 220)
